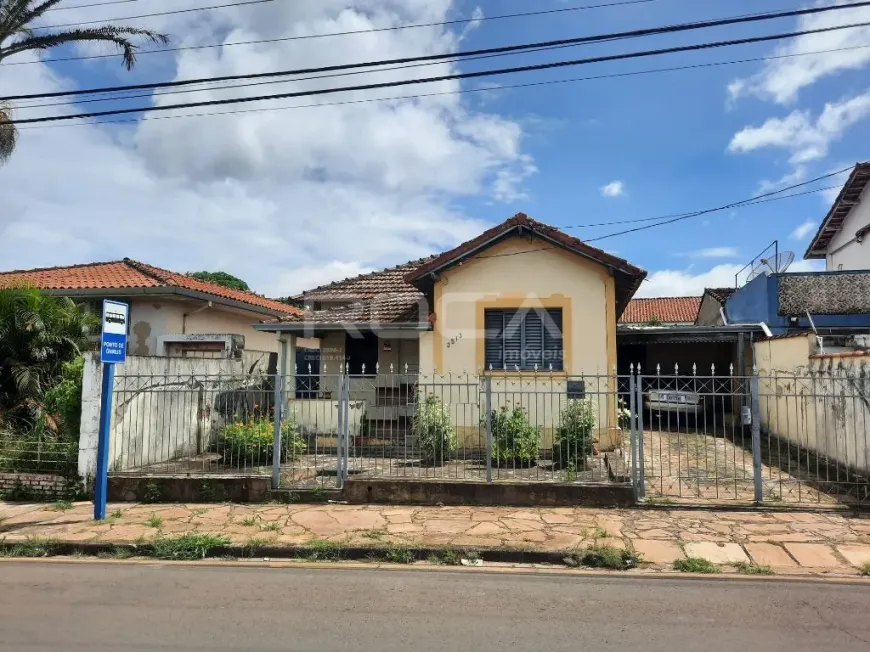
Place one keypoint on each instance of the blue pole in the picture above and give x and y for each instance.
(101, 480)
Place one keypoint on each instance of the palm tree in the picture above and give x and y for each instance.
(17, 35)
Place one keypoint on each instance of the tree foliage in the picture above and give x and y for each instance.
(221, 278)
(19, 34)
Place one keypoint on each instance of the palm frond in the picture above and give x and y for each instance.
(105, 33)
(10, 16)
(8, 132)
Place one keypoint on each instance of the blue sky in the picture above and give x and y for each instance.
(289, 199)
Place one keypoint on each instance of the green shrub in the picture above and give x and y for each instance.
(696, 565)
(573, 441)
(187, 546)
(37, 449)
(514, 439)
(250, 442)
(605, 557)
(64, 400)
(432, 429)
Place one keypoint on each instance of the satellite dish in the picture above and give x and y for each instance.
(780, 263)
(757, 271)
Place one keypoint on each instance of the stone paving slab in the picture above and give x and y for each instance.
(787, 541)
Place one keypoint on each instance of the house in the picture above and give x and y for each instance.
(712, 306)
(662, 311)
(842, 238)
(171, 314)
(522, 300)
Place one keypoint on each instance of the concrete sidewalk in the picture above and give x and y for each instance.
(788, 542)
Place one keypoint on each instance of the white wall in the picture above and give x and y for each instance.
(853, 255)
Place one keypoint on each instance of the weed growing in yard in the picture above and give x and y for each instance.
(273, 526)
(322, 550)
(60, 506)
(250, 521)
(153, 493)
(865, 571)
(117, 552)
(399, 556)
(254, 546)
(696, 565)
(753, 569)
(600, 533)
(605, 557)
(200, 511)
(187, 546)
(569, 473)
(319, 494)
(33, 547)
(154, 521)
(116, 514)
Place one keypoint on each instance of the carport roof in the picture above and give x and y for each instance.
(631, 334)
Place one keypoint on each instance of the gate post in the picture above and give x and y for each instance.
(488, 402)
(641, 458)
(344, 407)
(278, 410)
(754, 387)
(632, 423)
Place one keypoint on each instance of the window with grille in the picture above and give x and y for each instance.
(524, 338)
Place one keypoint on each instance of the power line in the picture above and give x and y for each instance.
(345, 33)
(723, 208)
(694, 213)
(667, 29)
(95, 4)
(460, 91)
(159, 13)
(468, 75)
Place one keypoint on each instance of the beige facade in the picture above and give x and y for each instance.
(815, 402)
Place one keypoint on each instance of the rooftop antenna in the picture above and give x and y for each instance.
(780, 262)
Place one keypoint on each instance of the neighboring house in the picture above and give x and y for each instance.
(171, 314)
(522, 299)
(662, 311)
(843, 239)
(712, 306)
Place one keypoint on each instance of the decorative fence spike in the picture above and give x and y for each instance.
(377, 367)
(731, 369)
(676, 368)
(363, 368)
(551, 366)
(406, 368)
(631, 368)
(536, 367)
(309, 368)
(713, 369)
(694, 369)
(658, 369)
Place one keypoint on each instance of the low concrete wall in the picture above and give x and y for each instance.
(182, 489)
(538, 494)
(46, 485)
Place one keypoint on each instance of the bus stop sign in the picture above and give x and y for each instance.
(113, 342)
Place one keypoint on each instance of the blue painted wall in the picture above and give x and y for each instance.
(758, 300)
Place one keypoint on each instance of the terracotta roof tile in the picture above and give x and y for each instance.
(368, 286)
(668, 310)
(402, 307)
(720, 294)
(124, 274)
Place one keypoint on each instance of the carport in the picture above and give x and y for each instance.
(681, 347)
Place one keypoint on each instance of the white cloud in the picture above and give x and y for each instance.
(803, 230)
(789, 179)
(781, 80)
(685, 283)
(806, 139)
(613, 189)
(717, 252)
(285, 199)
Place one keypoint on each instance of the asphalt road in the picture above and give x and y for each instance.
(96, 607)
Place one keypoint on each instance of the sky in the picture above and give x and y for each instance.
(291, 198)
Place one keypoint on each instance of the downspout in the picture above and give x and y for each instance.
(194, 312)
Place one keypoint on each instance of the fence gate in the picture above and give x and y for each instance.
(766, 437)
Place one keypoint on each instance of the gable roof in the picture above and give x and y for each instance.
(368, 286)
(668, 310)
(628, 277)
(833, 222)
(129, 274)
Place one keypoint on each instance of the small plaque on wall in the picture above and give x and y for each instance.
(576, 389)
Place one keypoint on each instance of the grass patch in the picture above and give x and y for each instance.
(254, 546)
(154, 521)
(187, 546)
(250, 521)
(696, 565)
(153, 493)
(200, 511)
(865, 570)
(398, 555)
(273, 526)
(753, 569)
(605, 557)
(451, 557)
(33, 547)
(319, 494)
(116, 514)
(117, 552)
(600, 533)
(60, 506)
(375, 535)
(322, 550)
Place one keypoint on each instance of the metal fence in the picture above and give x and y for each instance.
(36, 448)
(682, 437)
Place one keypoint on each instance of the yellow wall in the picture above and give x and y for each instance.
(545, 278)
